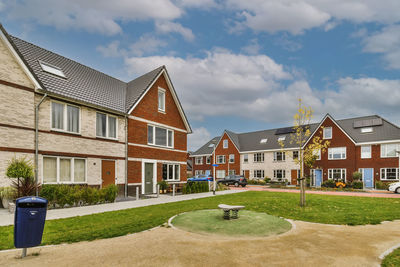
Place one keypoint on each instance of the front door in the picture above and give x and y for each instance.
(294, 176)
(368, 177)
(107, 172)
(318, 178)
(148, 178)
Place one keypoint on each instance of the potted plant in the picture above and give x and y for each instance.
(163, 186)
(7, 195)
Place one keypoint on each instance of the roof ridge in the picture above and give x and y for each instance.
(359, 117)
(12, 36)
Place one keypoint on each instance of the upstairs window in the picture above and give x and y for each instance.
(208, 160)
(199, 160)
(259, 157)
(52, 69)
(160, 136)
(295, 154)
(337, 153)
(106, 126)
(279, 156)
(317, 153)
(65, 117)
(161, 99)
(327, 133)
(225, 144)
(221, 159)
(245, 158)
(365, 152)
(389, 150)
(231, 158)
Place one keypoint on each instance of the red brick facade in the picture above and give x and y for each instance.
(220, 150)
(146, 112)
(353, 159)
(204, 166)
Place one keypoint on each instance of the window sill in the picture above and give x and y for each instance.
(64, 132)
(158, 146)
(162, 111)
(106, 138)
(337, 159)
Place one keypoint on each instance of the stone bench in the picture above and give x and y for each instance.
(227, 210)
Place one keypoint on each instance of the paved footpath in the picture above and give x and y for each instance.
(7, 218)
(371, 193)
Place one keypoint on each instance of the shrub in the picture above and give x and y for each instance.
(357, 176)
(7, 193)
(22, 169)
(163, 185)
(329, 183)
(267, 180)
(110, 193)
(382, 185)
(195, 187)
(358, 185)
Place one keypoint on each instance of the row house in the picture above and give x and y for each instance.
(81, 126)
(367, 144)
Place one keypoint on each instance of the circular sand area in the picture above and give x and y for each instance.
(249, 223)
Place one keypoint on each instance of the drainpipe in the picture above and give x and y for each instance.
(126, 157)
(37, 142)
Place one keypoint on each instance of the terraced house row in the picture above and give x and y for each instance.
(370, 145)
(81, 126)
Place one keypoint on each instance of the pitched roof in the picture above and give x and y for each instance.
(206, 149)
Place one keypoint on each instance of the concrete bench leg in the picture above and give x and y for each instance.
(227, 214)
(235, 214)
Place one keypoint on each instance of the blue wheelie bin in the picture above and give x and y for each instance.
(30, 215)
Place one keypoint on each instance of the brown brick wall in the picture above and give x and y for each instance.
(219, 150)
(148, 107)
(155, 153)
(180, 140)
(134, 172)
(203, 166)
(137, 132)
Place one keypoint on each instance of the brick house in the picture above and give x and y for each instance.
(366, 144)
(89, 128)
(202, 158)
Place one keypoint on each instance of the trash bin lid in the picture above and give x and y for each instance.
(32, 199)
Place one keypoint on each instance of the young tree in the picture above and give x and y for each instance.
(307, 154)
(22, 169)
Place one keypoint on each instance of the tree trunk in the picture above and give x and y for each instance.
(302, 192)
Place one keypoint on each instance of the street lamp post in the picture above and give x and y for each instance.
(214, 164)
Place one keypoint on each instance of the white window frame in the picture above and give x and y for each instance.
(255, 158)
(49, 68)
(331, 153)
(342, 173)
(367, 130)
(384, 150)
(324, 134)
(198, 172)
(298, 155)
(283, 156)
(163, 91)
(225, 143)
(199, 160)
(245, 158)
(173, 172)
(317, 153)
(107, 133)
(264, 141)
(218, 159)
(363, 155)
(58, 170)
(232, 157)
(282, 138)
(258, 174)
(283, 174)
(64, 129)
(218, 172)
(166, 136)
(384, 170)
(208, 159)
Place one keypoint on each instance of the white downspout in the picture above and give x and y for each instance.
(37, 142)
(126, 157)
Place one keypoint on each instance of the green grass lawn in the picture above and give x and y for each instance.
(249, 223)
(320, 208)
(392, 260)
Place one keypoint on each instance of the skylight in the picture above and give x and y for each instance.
(52, 69)
(282, 138)
(211, 145)
(264, 141)
(367, 130)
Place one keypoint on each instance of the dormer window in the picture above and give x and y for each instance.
(263, 141)
(161, 100)
(367, 130)
(52, 69)
(281, 138)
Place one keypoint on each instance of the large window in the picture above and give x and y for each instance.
(159, 136)
(279, 174)
(161, 100)
(232, 158)
(327, 132)
(259, 157)
(365, 152)
(64, 170)
(221, 159)
(337, 174)
(106, 126)
(390, 174)
(65, 117)
(220, 174)
(389, 150)
(199, 160)
(258, 174)
(337, 153)
(171, 172)
(245, 158)
(279, 156)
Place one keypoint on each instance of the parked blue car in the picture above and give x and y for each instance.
(200, 178)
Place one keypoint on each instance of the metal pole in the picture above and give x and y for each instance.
(137, 192)
(214, 171)
(126, 157)
(37, 143)
(158, 190)
(24, 252)
(173, 190)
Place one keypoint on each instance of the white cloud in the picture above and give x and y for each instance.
(253, 48)
(111, 50)
(101, 16)
(297, 16)
(146, 44)
(387, 43)
(203, 4)
(166, 27)
(198, 138)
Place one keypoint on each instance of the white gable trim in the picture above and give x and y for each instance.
(171, 88)
(320, 124)
(19, 60)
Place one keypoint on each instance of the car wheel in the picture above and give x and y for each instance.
(397, 191)
(237, 184)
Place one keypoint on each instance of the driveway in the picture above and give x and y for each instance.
(371, 193)
(308, 244)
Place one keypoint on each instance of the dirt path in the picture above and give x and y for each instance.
(309, 244)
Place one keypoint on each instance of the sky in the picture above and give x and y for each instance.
(236, 65)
